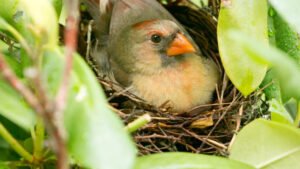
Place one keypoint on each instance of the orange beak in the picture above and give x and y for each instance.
(180, 45)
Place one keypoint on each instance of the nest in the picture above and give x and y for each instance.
(209, 128)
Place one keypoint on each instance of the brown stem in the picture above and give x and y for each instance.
(70, 38)
(60, 148)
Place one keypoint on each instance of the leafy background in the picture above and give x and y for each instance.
(258, 43)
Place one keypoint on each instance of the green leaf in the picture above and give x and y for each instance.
(7, 154)
(271, 86)
(4, 166)
(187, 161)
(12, 20)
(8, 9)
(267, 145)
(18, 132)
(53, 70)
(250, 17)
(14, 108)
(287, 71)
(103, 137)
(31, 19)
(14, 65)
(289, 10)
(286, 39)
(96, 136)
(41, 14)
(279, 113)
(292, 107)
(57, 4)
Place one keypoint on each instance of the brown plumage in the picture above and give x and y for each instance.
(147, 50)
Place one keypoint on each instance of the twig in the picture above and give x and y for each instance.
(156, 136)
(138, 123)
(70, 38)
(209, 141)
(89, 34)
(216, 124)
(238, 125)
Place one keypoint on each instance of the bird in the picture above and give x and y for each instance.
(143, 47)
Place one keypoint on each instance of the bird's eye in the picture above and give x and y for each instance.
(156, 38)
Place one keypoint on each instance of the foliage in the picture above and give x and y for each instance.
(275, 145)
(244, 73)
(33, 65)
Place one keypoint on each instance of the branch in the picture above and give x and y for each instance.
(70, 38)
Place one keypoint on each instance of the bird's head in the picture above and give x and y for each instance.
(151, 45)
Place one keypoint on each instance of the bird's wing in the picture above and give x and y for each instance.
(101, 12)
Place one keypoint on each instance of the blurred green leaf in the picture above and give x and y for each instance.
(267, 145)
(286, 38)
(3, 45)
(14, 65)
(279, 113)
(96, 136)
(103, 137)
(53, 70)
(187, 161)
(31, 19)
(287, 71)
(57, 4)
(8, 10)
(11, 15)
(250, 17)
(40, 15)
(4, 166)
(18, 132)
(289, 10)
(6, 152)
(271, 86)
(14, 108)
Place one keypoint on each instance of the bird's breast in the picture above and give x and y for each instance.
(186, 85)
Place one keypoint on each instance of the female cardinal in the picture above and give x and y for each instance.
(146, 49)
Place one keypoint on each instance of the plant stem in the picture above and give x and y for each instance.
(39, 139)
(15, 144)
(138, 123)
(70, 37)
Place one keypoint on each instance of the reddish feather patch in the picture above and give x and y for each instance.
(144, 24)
